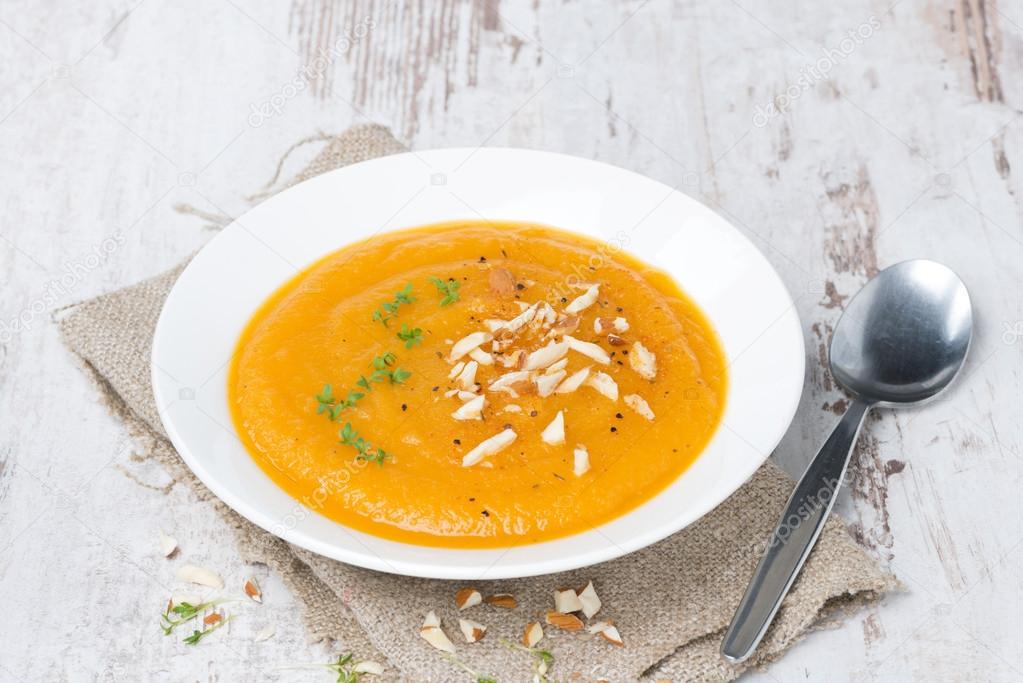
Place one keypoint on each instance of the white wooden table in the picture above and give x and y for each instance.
(897, 136)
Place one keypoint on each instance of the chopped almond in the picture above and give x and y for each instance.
(554, 433)
(505, 600)
(502, 282)
(573, 381)
(546, 384)
(615, 340)
(199, 575)
(432, 633)
(564, 325)
(598, 626)
(493, 445)
(588, 349)
(581, 460)
(603, 325)
(567, 601)
(456, 369)
(168, 544)
(462, 395)
(604, 384)
(543, 357)
(590, 602)
(505, 381)
(533, 634)
(480, 356)
(471, 410)
(467, 597)
(566, 622)
(637, 403)
(369, 667)
(212, 618)
(472, 630)
(548, 315)
(611, 635)
(512, 408)
(466, 379)
(515, 359)
(467, 344)
(521, 320)
(554, 367)
(583, 302)
(252, 590)
(643, 361)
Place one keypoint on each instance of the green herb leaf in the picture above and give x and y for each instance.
(448, 290)
(410, 335)
(405, 295)
(542, 656)
(384, 361)
(346, 434)
(343, 667)
(389, 309)
(199, 635)
(364, 449)
(186, 612)
(379, 455)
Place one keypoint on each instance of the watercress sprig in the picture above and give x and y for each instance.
(544, 658)
(345, 668)
(382, 372)
(448, 290)
(198, 635)
(389, 309)
(366, 451)
(410, 335)
(333, 406)
(184, 612)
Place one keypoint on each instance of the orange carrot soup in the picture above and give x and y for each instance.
(477, 385)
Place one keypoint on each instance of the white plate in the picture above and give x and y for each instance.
(715, 264)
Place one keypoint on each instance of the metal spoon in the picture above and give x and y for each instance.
(901, 340)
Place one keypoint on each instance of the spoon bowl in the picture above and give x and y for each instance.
(905, 335)
(901, 340)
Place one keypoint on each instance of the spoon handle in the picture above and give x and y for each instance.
(797, 531)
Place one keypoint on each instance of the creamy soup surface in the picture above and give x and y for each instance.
(477, 385)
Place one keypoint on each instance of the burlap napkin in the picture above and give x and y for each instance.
(670, 601)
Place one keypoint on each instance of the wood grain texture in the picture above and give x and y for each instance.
(900, 139)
